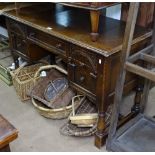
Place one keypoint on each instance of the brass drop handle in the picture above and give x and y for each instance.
(82, 78)
(93, 75)
(58, 45)
(19, 45)
(24, 41)
(32, 34)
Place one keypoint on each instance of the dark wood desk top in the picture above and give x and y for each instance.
(74, 26)
(7, 6)
(7, 132)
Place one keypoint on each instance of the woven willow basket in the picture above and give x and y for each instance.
(23, 79)
(59, 113)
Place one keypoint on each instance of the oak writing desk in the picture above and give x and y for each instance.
(92, 66)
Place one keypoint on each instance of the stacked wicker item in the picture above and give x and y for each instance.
(23, 78)
(83, 119)
(52, 95)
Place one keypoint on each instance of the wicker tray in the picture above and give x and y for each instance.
(88, 107)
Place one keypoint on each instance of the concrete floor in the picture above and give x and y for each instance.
(37, 133)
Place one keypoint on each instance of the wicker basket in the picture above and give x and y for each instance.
(59, 113)
(38, 96)
(69, 129)
(23, 79)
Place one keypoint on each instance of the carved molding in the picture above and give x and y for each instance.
(91, 58)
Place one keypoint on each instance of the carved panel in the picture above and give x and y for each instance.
(84, 56)
(17, 28)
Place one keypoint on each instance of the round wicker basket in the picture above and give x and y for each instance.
(59, 113)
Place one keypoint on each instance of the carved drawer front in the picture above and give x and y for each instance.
(18, 44)
(83, 76)
(88, 58)
(43, 39)
(16, 27)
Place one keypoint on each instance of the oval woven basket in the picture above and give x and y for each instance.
(59, 113)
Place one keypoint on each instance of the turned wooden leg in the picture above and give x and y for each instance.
(102, 92)
(94, 24)
(137, 100)
(5, 149)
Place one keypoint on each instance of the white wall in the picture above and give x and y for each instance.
(114, 11)
(3, 31)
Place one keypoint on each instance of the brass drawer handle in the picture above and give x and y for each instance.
(82, 78)
(19, 45)
(58, 45)
(93, 75)
(32, 35)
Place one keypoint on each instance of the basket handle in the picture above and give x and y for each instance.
(73, 101)
(49, 67)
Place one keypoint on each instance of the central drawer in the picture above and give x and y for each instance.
(47, 41)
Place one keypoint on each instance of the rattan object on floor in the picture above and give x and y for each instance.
(60, 98)
(59, 113)
(88, 107)
(60, 106)
(23, 79)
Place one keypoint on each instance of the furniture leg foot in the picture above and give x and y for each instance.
(100, 136)
(5, 149)
(100, 139)
(94, 36)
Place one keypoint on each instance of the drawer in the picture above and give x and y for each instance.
(87, 57)
(82, 76)
(47, 41)
(16, 27)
